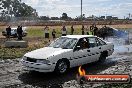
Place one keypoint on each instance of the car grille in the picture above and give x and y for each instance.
(31, 60)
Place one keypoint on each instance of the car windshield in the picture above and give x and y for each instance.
(64, 42)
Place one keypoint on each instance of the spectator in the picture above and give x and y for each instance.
(46, 31)
(53, 34)
(19, 32)
(64, 31)
(92, 29)
(82, 30)
(8, 31)
(72, 30)
(88, 31)
(99, 32)
(95, 30)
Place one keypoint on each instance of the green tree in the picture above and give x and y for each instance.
(64, 16)
(17, 9)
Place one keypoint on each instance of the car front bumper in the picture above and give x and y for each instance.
(31, 66)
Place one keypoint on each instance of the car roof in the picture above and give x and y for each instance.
(78, 36)
(13, 28)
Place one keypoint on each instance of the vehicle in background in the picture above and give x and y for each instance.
(14, 32)
(67, 52)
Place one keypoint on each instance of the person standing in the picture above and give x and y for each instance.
(19, 32)
(92, 29)
(72, 30)
(95, 31)
(82, 30)
(46, 31)
(53, 34)
(64, 31)
(8, 32)
(87, 31)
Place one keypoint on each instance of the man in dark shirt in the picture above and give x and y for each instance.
(53, 34)
(82, 30)
(64, 31)
(95, 31)
(8, 31)
(19, 32)
(72, 30)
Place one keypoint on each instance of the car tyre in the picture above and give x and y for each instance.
(61, 67)
(102, 57)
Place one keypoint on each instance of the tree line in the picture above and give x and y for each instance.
(16, 8)
(20, 10)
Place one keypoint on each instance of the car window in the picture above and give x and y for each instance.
(100, 42)
(92, 42)
(64, 42)
(69, 43)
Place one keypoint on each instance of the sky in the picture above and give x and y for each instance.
(55, 8)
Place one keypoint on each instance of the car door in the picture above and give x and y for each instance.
(94, 49)
(81, 53)
(102, 45)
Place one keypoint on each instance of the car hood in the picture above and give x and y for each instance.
(46, 52)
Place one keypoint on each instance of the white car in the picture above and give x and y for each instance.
(67, 52)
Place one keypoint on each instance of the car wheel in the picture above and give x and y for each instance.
(102, 58)
(61, 67)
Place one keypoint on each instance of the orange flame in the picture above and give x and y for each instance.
(81, 71)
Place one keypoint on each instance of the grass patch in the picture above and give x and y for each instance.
(12, 53)
(35, 33)
(39, 31)
(2, 28)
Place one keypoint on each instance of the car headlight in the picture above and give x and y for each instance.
(43, 61)
(24, 58)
